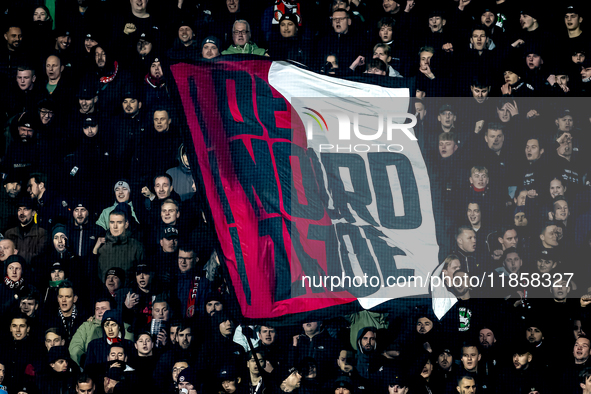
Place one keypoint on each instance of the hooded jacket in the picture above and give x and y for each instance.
(86, 333)
(182, 177)
(98, 349)
(364, 358)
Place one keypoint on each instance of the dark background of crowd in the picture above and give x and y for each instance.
(112, 282)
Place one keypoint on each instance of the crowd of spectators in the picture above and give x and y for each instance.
(112, 283)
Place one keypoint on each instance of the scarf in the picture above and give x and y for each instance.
(109, 78)
(280, 9)
(192, 297)
(154, 82)
(478, 190)
(55, 283)
(14, 284)
(111, 341)
(68, 322)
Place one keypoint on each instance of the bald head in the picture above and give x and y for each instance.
(7, 249)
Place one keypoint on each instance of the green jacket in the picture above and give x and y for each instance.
(103, 220)
(250, 48)
(364, 319)
(88, 331)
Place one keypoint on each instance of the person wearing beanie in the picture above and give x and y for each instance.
(23, 153)
(156, 91)
(90, 330)
(220, 348)
(81, 228)
(532, 30)
(10, 194)
(185, 46)
(514, 74)
(343, 385)
(88, 168)
(188, 379)
(14, 283)
(114, 332)
(289, 44)
(584, 69)
(229, 381)
(210, 47)
(60, 373)
(114, 280)
(288, 380)
(122, 192)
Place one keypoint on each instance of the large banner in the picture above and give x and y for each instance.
(317, 188)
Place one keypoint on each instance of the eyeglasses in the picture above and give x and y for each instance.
(338, 20)
(240, 32)
(45, 113)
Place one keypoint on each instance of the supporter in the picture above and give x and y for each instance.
(155, 196)
(291, 44)
(28, 237)
(184, 349)
(113, 333)
(187, 380)
(51, 207)
(289, 380)
(465, 248)
(66, 314)
(82, 230)
(314, 340)
(210, 47)
(162, 141)
(366, 350)
(23, 95)
(23, 153)
(182, 176)
(117, 248)
(131, 122)
(144, 359)
(14, 284)
(12, 54)
(191, 282)
(242, 44)
(61, 374)
(257, 381)
(17, 351)
(571, 368)
(58, 85)
(342, 41)
(89, 331)
(185, 44)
